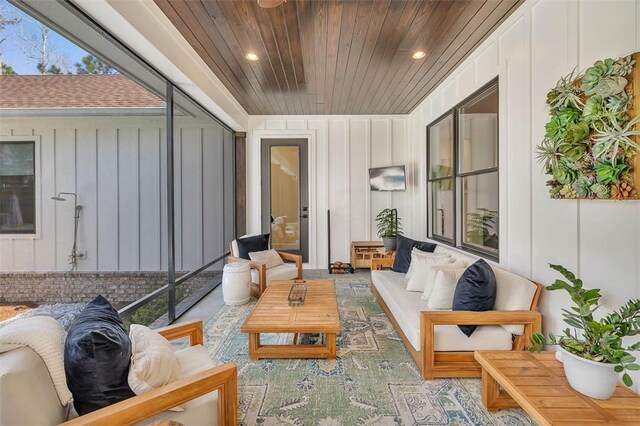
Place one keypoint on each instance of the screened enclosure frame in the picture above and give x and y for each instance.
(173, 282)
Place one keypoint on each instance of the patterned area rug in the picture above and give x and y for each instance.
(374, 380)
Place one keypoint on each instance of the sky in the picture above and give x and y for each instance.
(13, 55)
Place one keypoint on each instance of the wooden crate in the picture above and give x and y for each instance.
(363, 251)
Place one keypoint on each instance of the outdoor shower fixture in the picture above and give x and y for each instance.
(74, 256)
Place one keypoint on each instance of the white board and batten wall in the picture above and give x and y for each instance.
(529, 52)
(341, 151)
(117, 166)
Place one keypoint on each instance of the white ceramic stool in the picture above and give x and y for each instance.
(236, 283)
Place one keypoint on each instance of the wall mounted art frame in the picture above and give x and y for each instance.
(591, 148)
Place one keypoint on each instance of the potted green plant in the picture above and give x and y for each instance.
(389, 227)
(593, 353)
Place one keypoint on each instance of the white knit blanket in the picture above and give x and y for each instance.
(46, 337)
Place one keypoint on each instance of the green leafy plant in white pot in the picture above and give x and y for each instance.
(593, 352)
(389, 227)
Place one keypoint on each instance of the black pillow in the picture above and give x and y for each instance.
(475, 291)
(253, 243)
(96, 358)
(403, 252)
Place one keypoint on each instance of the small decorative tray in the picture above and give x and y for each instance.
(297, 293)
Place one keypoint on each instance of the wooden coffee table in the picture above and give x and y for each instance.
(536, 383)
(272, 314)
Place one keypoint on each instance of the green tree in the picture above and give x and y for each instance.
(6, 69)
(5, 20)
(92, 65)
(51, 69)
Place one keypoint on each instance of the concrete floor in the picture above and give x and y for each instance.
(213, 301)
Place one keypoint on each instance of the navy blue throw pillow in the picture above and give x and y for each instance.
(475, 291)
(253, 243)
(97, 353)
(403, 252)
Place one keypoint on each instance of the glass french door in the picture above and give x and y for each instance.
(285, 210)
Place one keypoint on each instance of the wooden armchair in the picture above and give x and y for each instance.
(437, 364)
(263, 276)
(222, 378)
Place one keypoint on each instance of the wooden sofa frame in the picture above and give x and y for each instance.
(262, 268)
(434, 364)
(222, 378)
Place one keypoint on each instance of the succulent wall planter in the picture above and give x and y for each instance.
(591, 148)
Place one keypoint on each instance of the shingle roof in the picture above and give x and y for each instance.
(74, 91)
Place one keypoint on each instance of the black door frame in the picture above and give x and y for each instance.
(265, 165)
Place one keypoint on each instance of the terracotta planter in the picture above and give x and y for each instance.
(593, 379)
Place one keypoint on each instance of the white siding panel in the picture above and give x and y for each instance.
(212, 194)
(191, 185)
(23, 255)
(128, 199)
(45, 246)
(107, 155)
(358, 178)
(515, 149)
(486, 64)
(554, 54)
(65, 158)
(319, 199)
(605, 224)
(150, 207)
(339, 182)
(87, 185)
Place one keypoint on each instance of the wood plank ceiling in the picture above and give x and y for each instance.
(334, 57)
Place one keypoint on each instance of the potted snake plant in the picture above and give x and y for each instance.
(389, 227)
(593, 353)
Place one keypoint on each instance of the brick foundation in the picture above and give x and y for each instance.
(120, 288)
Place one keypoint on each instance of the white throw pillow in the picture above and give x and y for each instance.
(153, 363)
(444, 289)
(433, 272)
(271, 258)
(418, 279)
(415, 253)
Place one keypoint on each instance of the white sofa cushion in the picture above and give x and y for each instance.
(200, 411)
(433, 273)
(444, 288)
(270, 258)
(27, 396)
(406, 307)
(423, 254)
(449, 338)
(420, 271)
(287, 271)
(513, 293)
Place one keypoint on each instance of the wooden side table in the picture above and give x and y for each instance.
(362, 252)
(536, 383)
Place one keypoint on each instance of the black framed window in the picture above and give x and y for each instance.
(17, 187)
(463, 176)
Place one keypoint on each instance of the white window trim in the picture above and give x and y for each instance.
(36, 139)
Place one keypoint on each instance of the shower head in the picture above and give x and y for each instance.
(60, 196)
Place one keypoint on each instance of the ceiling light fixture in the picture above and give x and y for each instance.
(419, 54)
(268, 4)
(252, 56)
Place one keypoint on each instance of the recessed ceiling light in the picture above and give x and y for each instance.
(252, 56)
(419, 54)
